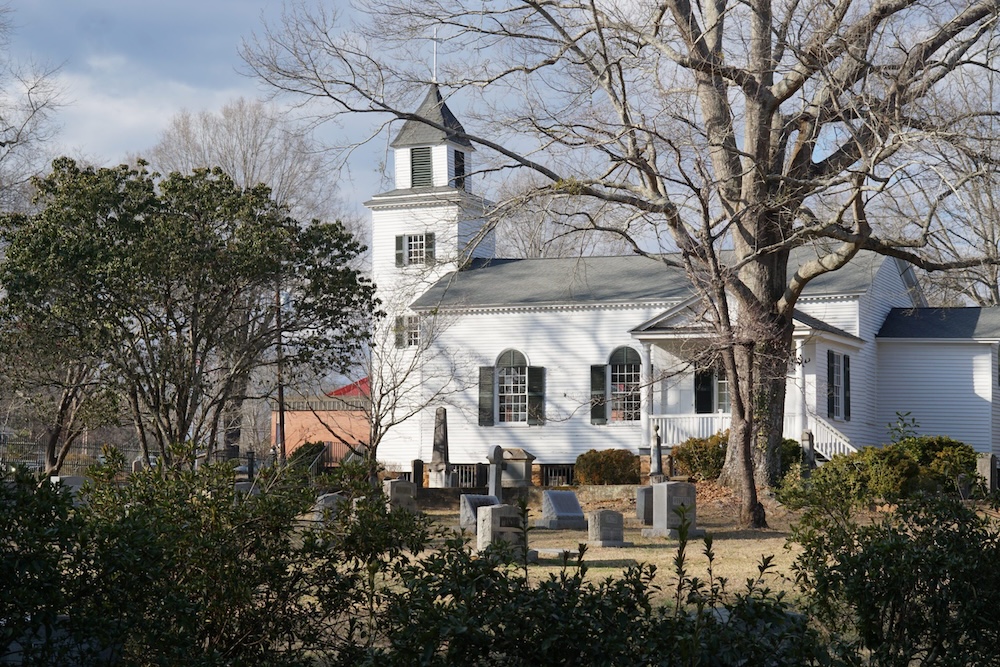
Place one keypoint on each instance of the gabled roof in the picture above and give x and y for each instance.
(417, 133)
(499, 283)
(536, 282)
(360, 388)
(677, 322)
(942, 323)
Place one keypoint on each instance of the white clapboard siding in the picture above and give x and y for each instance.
(584, 337)
(946, 387)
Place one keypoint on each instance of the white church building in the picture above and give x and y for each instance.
(560, 356)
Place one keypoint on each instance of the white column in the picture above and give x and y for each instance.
(646, 395)
(800, 380)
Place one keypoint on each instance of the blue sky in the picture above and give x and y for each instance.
(127, 66)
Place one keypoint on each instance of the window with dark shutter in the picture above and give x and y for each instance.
(838, 385)
(847, 388)
(536, 395)
(704, 392)
(486, 396)
(400, 250)
(428, 248)
(599, 394)
(459, 180)
(400, 330)
(420, 167)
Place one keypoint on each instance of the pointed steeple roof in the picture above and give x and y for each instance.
(433, 108)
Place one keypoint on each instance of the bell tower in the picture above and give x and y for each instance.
(431, 223)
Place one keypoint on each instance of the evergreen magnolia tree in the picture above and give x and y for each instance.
(172, 289)
(732, 132)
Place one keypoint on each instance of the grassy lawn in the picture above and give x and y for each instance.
(738, 552)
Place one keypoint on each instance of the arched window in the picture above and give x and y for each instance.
(614, 388)
(511, 391)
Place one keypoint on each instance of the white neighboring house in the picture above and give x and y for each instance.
(561, 356)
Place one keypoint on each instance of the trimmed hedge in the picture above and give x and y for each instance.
(607, 466)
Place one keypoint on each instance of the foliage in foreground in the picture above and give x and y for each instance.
(175, 567)
(916, 586)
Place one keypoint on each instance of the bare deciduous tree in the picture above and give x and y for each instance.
(737, 130)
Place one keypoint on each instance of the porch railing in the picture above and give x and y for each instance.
(675, 429)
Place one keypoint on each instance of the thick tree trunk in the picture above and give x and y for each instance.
(771, 369)
(740, 364)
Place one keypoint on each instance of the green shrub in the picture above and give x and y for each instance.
(607, 466)
(925, 464)
(701, 458)
(789, 455)
(916, 587)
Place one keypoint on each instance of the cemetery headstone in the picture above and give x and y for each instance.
(561, 511)
(400, 495)
(439, 469)
(495, 477)
(668, 498)
(644, 505)
(518, 467)
(502, 523)
(606, 528)
(469, 504)
(417, 474)
(326, 506)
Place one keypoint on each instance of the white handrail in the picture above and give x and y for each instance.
(675, 429)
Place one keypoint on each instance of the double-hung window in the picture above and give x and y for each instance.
(614, 388)
(407, 331)
(838, 385)
(415, 249)
(511, 391)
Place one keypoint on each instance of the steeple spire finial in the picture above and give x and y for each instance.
(434, 75)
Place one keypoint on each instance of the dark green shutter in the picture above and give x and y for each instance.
(704, 392)
(536, 395)
(400, 331)
(400, 253)
(599, 394)
(847, 388)
(830, 402)
(486, 396)
(429, 248)
(459, 170)
(421, 174)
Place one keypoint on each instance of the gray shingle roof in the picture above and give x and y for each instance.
(953, 323)
(433, 108)
(534, 282)
(599, 280)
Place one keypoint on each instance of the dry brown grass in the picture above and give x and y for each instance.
(738, 551)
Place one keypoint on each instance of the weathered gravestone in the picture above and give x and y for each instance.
(439, 470)
(668, 498)
(326, 506)
(469, 504)
(561, 511)
(606, 528)
(495, 457)
(502, 523)
(644, 505)
(400, 495)
(518, 465)
(246, 489)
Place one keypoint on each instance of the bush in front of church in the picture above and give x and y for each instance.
(702, 458)
(607, 466)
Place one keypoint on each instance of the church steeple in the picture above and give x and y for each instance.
(431, 148)
(434, 110)
(430, 223)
